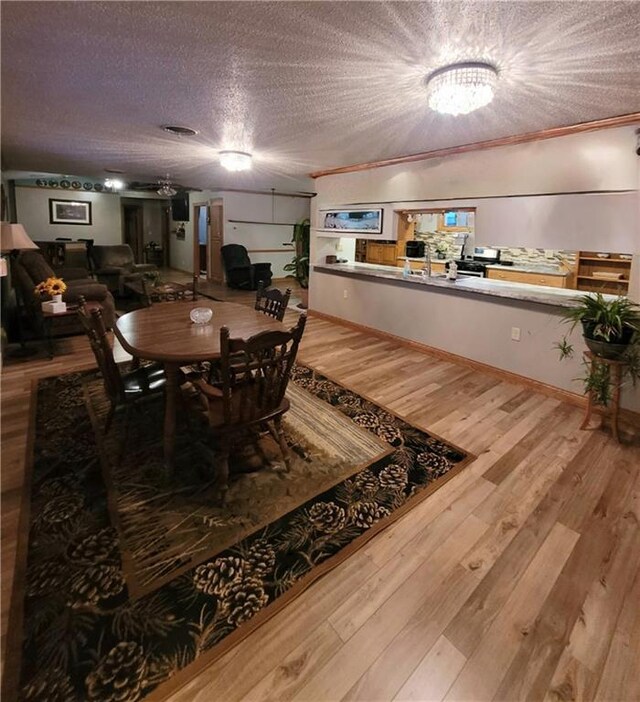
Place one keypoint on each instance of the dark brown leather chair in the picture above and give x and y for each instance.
(115, 267)
(30, 268)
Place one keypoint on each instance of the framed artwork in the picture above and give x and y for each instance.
(354, 221)
(69, 212)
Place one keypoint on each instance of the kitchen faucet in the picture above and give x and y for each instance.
(427, 261)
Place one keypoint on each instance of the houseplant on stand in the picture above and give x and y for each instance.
(611, 330)
(299, 266)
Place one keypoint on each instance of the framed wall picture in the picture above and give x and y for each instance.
(353, 221)
(69, 211)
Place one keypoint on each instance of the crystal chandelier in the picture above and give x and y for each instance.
(166, 189)
(461, 88)
(235, 160)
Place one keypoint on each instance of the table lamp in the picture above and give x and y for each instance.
(13, 239)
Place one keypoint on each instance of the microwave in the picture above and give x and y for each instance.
(414, 249)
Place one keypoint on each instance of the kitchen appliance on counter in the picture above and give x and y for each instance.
(477, 267)
(414, 249)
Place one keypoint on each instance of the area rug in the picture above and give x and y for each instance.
(136, 580)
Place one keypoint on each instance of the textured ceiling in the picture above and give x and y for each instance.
(304, 86)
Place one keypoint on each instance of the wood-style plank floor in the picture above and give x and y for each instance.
(519, 579)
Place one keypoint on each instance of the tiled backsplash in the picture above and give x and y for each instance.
(449, 243)
(520, 254)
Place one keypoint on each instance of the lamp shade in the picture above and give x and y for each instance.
(13, 236)
(3, 267)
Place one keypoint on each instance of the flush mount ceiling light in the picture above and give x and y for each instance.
(461, 88)
(235, 160)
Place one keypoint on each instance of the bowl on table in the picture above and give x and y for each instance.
(201, 315)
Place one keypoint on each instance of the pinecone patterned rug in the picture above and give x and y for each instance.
(135, 581)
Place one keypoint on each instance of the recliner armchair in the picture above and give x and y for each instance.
(31, 268)
(115, 267)
(240, 272)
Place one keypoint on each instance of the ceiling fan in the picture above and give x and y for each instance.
(162, 186)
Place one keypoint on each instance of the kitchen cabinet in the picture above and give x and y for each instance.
(381, 253)
(552, 281)
(436, 266)
(605, 273)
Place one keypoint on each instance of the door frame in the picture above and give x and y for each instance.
(196, 237)
(212, 252)
(138, 249)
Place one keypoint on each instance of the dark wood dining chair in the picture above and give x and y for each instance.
(254, 375)
(123, 390)
(168, 292)
(272, 302)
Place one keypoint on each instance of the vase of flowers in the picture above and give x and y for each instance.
(52, 288)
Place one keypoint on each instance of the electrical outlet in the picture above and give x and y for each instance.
(345, 294)
(515, 333)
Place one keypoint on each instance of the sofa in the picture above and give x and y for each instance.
(115, 267)
(240, 272)
(30, 268)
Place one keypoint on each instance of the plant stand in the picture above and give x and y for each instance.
(615, 380)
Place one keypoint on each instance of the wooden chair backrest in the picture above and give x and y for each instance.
(97, 332)
(255, 372)
(152, 293)
(272, 302)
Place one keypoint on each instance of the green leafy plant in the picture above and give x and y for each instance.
(613, 324)
(299, 266)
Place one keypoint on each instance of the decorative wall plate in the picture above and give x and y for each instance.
(41, 183)
(65, 184)
(53, 183)
(76, 184)
(98, 187)
(88, 186)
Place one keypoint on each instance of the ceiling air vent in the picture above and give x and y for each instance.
(180, 131)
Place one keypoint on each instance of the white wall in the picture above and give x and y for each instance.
(468, 325)
(32, 205)
(249, 207)
(596, 161)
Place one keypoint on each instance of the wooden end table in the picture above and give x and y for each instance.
(48, 321)
(611, 410)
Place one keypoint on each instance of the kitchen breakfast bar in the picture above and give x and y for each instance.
(509, 326)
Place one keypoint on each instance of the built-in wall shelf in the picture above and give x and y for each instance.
(275, 224)
(598, 274)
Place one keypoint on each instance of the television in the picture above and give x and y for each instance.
(180, 207)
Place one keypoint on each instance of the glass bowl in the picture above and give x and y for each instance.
(201, 315)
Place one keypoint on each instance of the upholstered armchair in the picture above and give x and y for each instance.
(240, 272)
(115, 267)
(30, 268)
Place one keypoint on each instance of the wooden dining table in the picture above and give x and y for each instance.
(165, 333)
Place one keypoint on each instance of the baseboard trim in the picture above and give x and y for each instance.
(537, 385)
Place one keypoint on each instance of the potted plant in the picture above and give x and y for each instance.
(611, 330)
(299, 266)
(441, 250)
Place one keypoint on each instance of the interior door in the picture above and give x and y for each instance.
(216, 241)
(132, 230)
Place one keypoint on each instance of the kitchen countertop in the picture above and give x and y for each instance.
(542, 294)
(522, 268)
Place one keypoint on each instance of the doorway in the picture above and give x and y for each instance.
(208, 238)
(133, 233)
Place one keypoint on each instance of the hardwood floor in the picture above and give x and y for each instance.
(518, 579)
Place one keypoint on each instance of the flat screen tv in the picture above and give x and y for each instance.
(180, 207)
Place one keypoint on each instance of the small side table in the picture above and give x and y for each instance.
(611, 410)
(48, 321)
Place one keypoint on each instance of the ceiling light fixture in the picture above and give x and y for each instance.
(235, 160)
(461, 88)
(113, 184)
(166, 189)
